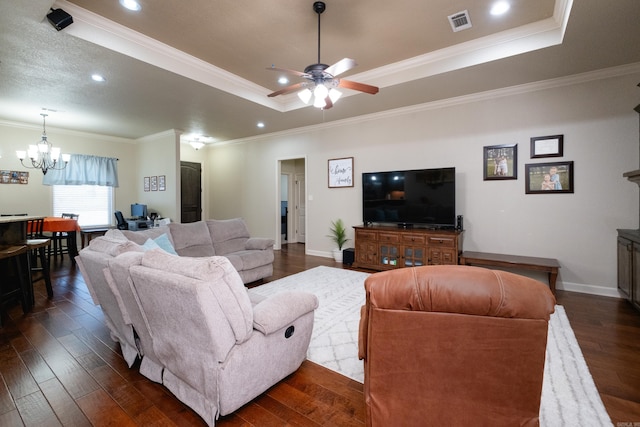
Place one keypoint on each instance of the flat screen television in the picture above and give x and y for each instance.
(421, 197)
(138, 211)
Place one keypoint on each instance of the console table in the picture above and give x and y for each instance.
(387, 247)
(547, 265)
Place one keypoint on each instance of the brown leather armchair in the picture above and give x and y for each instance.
(453, 345)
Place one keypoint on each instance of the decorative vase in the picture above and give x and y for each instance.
(337, 255)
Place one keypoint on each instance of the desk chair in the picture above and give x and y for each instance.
(37, 243)
(121, 223)
(60, 239)
(11, 289)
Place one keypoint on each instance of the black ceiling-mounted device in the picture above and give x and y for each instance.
(59, 19)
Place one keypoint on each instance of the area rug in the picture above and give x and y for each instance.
(569, 395)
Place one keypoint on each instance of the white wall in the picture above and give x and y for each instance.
(600, 132)
(159, 155)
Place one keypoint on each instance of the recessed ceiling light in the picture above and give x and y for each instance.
(500, 7)
(283, 80)
(98, 78)
(131, 5)
(260, 124)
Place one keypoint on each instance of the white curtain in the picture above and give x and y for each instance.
(85, 170)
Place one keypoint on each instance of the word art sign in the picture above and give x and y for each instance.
(341, 172)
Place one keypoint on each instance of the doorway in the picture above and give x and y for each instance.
(291, 201)
(190, 192)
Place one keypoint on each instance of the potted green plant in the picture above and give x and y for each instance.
(339, 237)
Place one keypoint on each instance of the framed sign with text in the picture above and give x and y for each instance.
(547, 146)
(341, 172)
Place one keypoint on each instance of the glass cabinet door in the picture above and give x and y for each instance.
(414, 256)
(389, 255)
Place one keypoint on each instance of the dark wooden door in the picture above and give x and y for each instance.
(190, 192)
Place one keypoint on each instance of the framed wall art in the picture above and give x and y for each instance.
(162, 183)
(341, 172)
(14, 177)
(500, 162)
(546, 178)
(147, 183)
(154, 183)
(547, 146)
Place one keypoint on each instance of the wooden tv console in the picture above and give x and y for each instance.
(388, 247)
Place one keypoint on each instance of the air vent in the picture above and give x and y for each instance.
(460, 21)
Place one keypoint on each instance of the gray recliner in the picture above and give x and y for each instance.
(218, 350)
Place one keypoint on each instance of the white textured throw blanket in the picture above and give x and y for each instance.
(569, 395)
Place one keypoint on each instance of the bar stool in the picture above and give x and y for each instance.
(10, 290)
(38, 243)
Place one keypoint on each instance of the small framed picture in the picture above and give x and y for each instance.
(341, 172)
(147, 183)
(161, 183)
(545, 178)
(547, 146)
(500, 162)
(154, 183)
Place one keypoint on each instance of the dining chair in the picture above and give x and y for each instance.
(61, 239)
(38, 245)
(12, 280)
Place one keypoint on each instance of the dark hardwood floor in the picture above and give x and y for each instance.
(58, 366)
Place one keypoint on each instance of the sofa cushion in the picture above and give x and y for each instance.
(228, 235)
(151, 233)
(192, 239)
(223, 280)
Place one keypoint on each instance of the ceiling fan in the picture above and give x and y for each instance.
(320, 79)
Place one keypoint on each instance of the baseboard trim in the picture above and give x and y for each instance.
(603, 291)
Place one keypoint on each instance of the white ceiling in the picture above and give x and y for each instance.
(200, 66)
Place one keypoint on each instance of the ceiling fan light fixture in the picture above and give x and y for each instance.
(305, 95)
(334, 95)
(321, 77)
(320, 91)
(319, 102)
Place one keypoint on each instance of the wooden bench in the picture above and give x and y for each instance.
(86, 234)
(547, 265)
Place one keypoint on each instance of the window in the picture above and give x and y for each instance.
(93, 203)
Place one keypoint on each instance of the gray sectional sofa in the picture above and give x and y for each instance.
(252, 257)
(188, 316)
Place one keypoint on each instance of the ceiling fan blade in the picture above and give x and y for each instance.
(341, 66)
(288, 89)
(358, 86)
(284, 70)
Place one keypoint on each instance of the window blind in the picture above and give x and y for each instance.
(93, 203)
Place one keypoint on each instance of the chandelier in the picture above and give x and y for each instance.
(43, 156)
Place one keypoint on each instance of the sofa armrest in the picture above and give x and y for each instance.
(259, 243)
(281, 309)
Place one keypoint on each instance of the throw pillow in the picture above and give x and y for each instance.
(160, 242)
